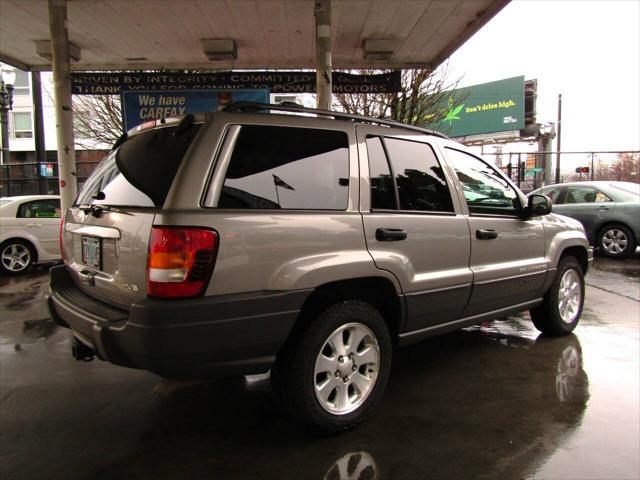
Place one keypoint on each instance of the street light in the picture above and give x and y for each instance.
(7, 79)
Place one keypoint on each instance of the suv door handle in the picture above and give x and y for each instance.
(390, 234)
(603, 208)
(486, 234)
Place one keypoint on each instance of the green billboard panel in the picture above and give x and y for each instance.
(486, 108)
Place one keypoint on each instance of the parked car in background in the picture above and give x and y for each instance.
(29, 233)
(609, 212)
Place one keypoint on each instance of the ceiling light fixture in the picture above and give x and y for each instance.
(219, 49)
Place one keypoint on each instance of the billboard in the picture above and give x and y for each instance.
(486, 108)
(139, 107)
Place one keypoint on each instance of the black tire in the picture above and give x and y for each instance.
(294, 378)
(547, 316)
(609, 238)
(16, 245)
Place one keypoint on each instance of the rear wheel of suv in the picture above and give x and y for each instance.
(616, 241)
(561, 308)
(16, 256)
(335, 371)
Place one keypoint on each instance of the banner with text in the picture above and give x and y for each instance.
(114, 83)
(139, 107)
(486, 108)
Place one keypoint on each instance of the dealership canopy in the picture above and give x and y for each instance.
(273, 34)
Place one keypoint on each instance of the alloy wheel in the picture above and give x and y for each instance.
(346, 368)
(569, 296)
(16, 257)
(614, 241)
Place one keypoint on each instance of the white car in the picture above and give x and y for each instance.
(29, 231)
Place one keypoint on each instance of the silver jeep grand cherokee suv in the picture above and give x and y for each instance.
(245, 241)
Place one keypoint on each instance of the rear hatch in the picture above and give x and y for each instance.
(106, 232)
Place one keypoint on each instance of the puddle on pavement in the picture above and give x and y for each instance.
(39, 329)
(512, 331)
(25, 319)
(629, 267)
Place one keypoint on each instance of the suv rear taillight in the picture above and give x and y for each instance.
(180, 261)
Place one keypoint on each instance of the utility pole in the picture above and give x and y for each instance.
(323, 53)
(592, 154)
(559, 133)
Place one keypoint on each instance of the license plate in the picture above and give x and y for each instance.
(92, 252)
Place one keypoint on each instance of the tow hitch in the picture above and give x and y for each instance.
(81, 352)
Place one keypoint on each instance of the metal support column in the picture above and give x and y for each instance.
(38, 128)
(62, 99)
(323, 53)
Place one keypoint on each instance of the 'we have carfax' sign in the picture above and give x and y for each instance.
(139, 107)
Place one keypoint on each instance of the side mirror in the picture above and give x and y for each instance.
(539, 205)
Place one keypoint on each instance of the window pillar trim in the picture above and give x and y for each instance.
(396, 193)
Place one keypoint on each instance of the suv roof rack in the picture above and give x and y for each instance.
(256, 106)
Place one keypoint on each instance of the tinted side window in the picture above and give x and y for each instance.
(40, 209)
(485, 190)
(382, 189)
(553, 193)
(286, 167)
(585, 195)
(419, 177)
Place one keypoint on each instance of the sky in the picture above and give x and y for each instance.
(589, 51)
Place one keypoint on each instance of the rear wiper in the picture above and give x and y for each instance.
(96, 210)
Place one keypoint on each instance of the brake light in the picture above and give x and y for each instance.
(180, 261)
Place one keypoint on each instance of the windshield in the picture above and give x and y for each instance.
(139, 172)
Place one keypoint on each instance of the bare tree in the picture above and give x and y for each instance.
(422, 100)
(97, 119)
(601, 170)
(626, 168)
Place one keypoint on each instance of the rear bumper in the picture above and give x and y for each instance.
(197, 338)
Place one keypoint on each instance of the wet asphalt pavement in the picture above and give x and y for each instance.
(492, 401)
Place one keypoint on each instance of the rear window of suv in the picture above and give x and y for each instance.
(287, 168)
(140, 172)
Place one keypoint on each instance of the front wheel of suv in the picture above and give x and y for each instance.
(561, 308)
(335, 371)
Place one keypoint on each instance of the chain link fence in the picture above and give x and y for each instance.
(33, 178)
(527, 169)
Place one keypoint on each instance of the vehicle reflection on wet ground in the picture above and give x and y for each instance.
(492, 401)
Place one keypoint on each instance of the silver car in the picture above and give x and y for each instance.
(243, 242)
(608, 210)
